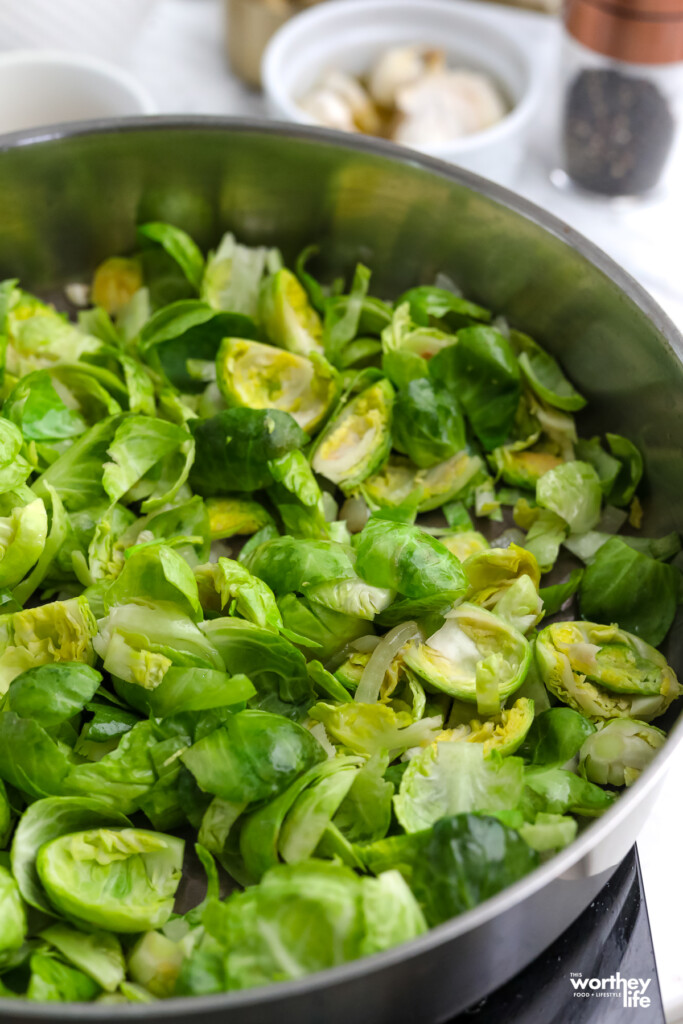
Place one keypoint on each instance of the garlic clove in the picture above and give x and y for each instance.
(329, 109)
(481, 94)
(445, 105)
(362, 108)
(395, 69)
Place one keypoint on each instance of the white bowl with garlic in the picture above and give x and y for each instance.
(436, 75)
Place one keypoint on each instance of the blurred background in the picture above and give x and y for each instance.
(580, 110)
(203, 57)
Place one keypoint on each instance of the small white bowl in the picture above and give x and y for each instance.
(45, 87)
(350, 35)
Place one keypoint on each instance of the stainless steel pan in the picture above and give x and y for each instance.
(71, 196)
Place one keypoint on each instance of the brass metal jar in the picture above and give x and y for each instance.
(249, 24)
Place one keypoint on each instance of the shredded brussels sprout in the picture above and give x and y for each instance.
(272, 557)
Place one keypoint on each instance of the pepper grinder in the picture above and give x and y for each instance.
(622, 94)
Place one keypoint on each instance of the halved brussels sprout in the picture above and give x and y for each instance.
(520, 466)
(392, 484)
(605, 672)
(115, 282)
(446, 480)
(118, 879)
(59, 631)
(496, 569)
(229, 517)
(289, 319)
(504, 732)
(617, 753)
(473, 649)
(260, 376)
(358, 439)
(399, 478)
(465, 543)
(22, 539)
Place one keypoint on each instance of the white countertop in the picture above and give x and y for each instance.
(179, 57)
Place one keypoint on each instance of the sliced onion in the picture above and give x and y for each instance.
(381, 658)
(367, 643)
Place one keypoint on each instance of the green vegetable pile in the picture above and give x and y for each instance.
(227, 639)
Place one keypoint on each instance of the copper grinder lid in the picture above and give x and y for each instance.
(636, 31)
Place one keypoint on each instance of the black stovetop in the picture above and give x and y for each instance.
(606, 947)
